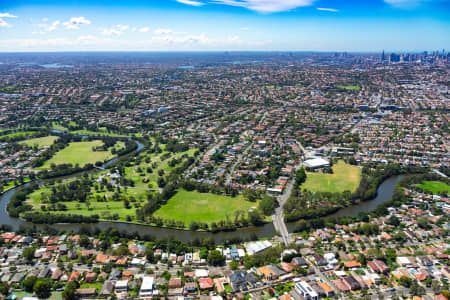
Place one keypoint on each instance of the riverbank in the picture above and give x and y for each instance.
(385, 192)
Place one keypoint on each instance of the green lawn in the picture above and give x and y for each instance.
(16, 134)
(202, 207)
(344, 178)
(79, 153)
(58, 126)
(53, 296)
(434, 187)
(350, 87)
(97, 285)
(40, 142)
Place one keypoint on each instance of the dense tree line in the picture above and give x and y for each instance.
(308, 205)
(268, 256)
(155, 201)
(64, 170)
(130, 146)
(77, 190)
(189, 185)
(47, 218)
(372, 177)
(174, 145)
(17, 205)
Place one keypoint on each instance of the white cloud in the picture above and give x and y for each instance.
(191, 2)
(111, 31)
(74, 22)
(266, 6)
(144, 29)
(7, 15)
(53, 26)
(44, 19)
(162, 31)
(3, 22)
(116, 30)
(328, 9)
(70, 26)
(185, 42)
(245, 28)
(44, 28)
(79, 20)
(122, 27)
(404, 3)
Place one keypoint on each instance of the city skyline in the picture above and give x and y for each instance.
(225, 25)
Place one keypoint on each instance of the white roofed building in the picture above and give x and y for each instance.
(316, 163)
(146, 287)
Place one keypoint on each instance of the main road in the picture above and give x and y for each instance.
(278, 217)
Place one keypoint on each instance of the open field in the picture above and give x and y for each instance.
(79, 153)
(344, 178)
(350, 87)
(202, 207)
(40, 142)
(16, 134)
(60, 127)
(434, 187)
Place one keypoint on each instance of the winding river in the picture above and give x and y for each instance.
(385, 192)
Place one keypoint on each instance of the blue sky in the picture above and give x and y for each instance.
(219, 25)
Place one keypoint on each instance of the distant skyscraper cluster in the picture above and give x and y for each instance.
(424, 57)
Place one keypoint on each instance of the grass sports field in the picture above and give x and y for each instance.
(40, 142)
(434, 187)
(203, 207)
(79, 153)
(344, 178)
(349, 87)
